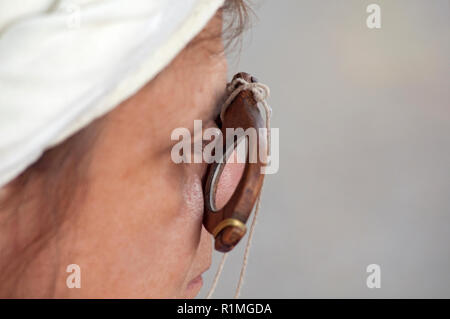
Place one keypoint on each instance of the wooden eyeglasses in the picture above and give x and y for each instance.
(225, 215)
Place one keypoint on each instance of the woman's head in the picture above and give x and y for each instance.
(111, 200)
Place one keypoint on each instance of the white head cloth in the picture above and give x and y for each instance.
(65, 63)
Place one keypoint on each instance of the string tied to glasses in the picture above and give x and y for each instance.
(260, 93)
(243, 82)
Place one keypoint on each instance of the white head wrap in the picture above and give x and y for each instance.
(65, 63)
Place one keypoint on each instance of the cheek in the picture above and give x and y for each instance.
(192, 193)
(145, 229)
(178, 210)
(180, 223)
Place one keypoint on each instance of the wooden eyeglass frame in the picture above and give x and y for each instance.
(227, 225)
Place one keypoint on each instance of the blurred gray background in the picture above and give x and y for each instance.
(364, 118)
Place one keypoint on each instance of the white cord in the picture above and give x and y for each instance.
(247, 251)
(217, 276)
(260, 93)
